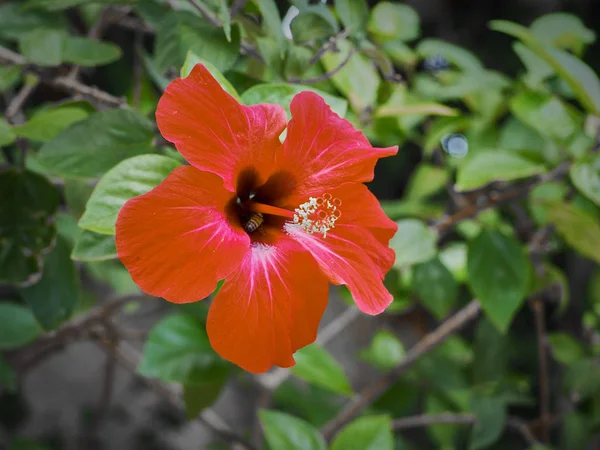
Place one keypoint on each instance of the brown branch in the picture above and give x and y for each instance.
(495, 198)
(326, 75)
(330, 45)
(460, 419)
(372, 391)
(17, 103)
(206, 13)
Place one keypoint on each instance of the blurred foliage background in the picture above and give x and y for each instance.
(492, 341)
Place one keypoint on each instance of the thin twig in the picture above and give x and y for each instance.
(330, 45)
(432, 340)
(17, 103)
(326, 75)
(237, 7)
(459, 419)
(206, 13)
(537, 306)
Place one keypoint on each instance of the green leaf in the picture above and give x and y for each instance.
(442, 434)
(577, 431)
(546, 114)
(91, 246)
(192, 59)
(54, 298)
(314, 22)
(43, 46)
(582, 377)
(89, 52)
(15, 22)
(358, 80)
(385, 352)
(366, 433)
(435, 286)
(198, 397)
(426, 181)
(282, 94)
(178, 350)
(491, 416)
(565, 349)
(354, 14)
(585, 175)
(55, 5)
(47, 124)
(8, 377)
(132, 177)
(89, 148)
(77, 194)
(441, 128)
(9, 77)
(564, 31)
(578, 75)
(491, 350)
(413, 243)
(454, 257)
(17, 326)
(28, 203)
(182, 32)
(272, 22)
(285, 432)
(499, 273)
(497, 165)
(458, 56)
(315, 365)
(394, 21)
(578, 228)
(7, 135)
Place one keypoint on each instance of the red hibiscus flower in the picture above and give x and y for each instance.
(278, 222)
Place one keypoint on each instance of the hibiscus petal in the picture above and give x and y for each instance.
(214, 132)
(269, 308)
(324, 150)
(177, 240)
(342, 257)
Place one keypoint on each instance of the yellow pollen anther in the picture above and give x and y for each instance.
(318, 215)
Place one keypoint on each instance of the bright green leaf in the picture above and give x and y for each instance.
(18, 326)
(7, 134)
(426, 180)
(47, 124)
(132, 177)
(413, 243)
(272, 22)
(314, 22)
(9, 77)
(497, 165)
(90, 246)
(585, 175)
(564, 31)
(28, 203)
(178, 350)
(89, 148)
(366, 433)
(579, 229)
(499, 273)
(454, 257)
(285, 432)
(565, 349)
(314, 364)
(354, 14)
(192, 59)
(54, 298)
(89, 52)
(434, 284)
(43, 46)
(385, 352)
(394, 21)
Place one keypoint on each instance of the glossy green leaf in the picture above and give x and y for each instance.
(564, 31)
(578, 228)
(491, 416)
(579, 76)
(178, 350)
(90, 246)
(497, 165)
(7, 134)
(47, 124)
(358, 80)
(200, 396)
(282, 94)
(499, 272)
(315, 365)
(28, 203)
(286, 432)
(54, 298)
(385, 352)
(394, 21)
(8, 377)
(43, 46)
(435, 286)
(565, 348)
(182, 32)
(132, 177)
(585, 175)
(366, 433)
(192, 59)
(413, 243)
(89, 52)
(18, 326)
(92, 146)
(354, 14)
